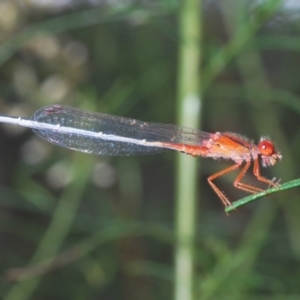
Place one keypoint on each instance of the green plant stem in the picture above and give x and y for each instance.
(189, 105)
(286, 186)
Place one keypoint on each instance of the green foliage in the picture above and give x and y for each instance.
(102, 227)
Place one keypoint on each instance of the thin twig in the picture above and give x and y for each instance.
(286, 186)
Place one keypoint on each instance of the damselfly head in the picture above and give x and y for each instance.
(268, 151)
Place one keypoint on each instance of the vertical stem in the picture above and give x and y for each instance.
(189, 107)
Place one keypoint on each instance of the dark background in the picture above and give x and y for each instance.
(109, 221)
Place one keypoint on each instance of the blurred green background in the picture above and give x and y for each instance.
(76, 226)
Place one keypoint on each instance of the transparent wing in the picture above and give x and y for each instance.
(117, 135)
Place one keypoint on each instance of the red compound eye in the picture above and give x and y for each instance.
(266, 148)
